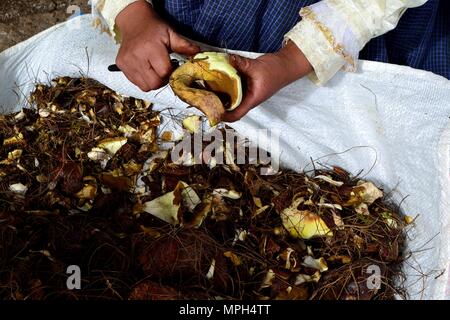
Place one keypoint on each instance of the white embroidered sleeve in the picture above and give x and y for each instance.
(105, 13)
(333, 32)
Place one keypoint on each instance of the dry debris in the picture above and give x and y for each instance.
(83, 182)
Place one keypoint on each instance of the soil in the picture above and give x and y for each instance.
(21, 19)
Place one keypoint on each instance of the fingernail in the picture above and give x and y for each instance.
(234, 60)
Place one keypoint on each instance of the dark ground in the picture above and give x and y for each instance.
(21, 19)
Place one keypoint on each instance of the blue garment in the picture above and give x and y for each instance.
(421, 40)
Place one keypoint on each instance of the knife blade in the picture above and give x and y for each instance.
(176, 61)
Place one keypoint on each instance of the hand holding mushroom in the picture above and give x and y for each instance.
(211, 81)
(266, 75)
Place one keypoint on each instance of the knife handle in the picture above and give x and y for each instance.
(114, 68)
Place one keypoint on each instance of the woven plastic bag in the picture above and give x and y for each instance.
(392, 122)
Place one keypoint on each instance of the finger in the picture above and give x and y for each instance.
(246, 105)
(234, 116)
(137, 81)
(130, 70)
(143, 85)
(145, 78)
(181, 45)
(238, 113)
(151, 78)
(136, 66)
(135, 78)
(160, 62)
(138, 69)
(241, 64)
(244, 66)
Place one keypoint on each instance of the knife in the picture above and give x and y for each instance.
(176, 61)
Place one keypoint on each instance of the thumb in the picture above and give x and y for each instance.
(181, 45)
(242, 65)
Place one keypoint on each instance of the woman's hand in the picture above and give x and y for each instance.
(147, 42)
(266, 75)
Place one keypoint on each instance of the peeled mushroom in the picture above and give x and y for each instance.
(210, 83)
